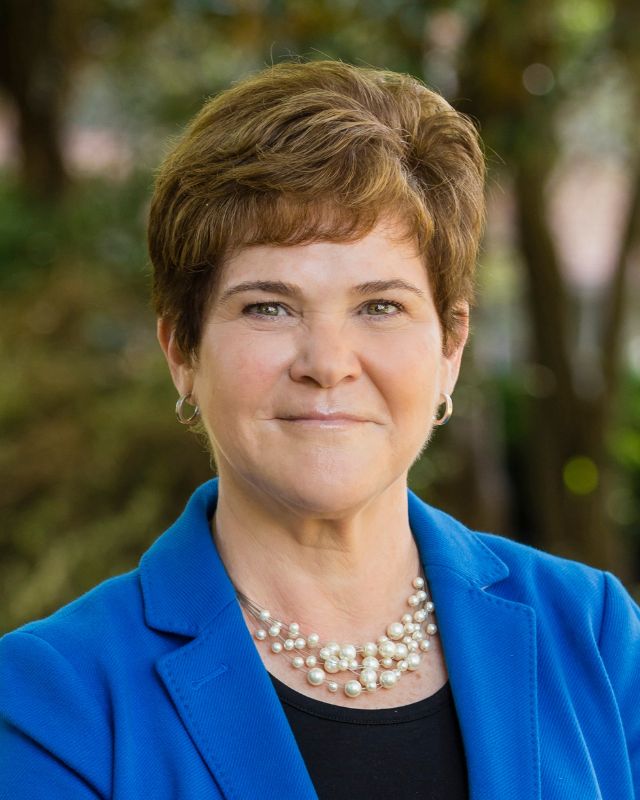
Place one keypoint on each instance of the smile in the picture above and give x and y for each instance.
(324, 424)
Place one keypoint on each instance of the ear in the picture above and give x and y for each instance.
(179, 365)
(450, 362)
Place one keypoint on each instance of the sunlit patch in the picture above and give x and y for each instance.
(580, 475)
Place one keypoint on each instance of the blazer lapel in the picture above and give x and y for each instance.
(228, 704)
(490, 651)
(217, 681)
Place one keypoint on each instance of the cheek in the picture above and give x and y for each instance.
(410, 372)
(239, 373)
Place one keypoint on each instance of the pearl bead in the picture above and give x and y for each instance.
(388, 679)
(313, 640)
(311, 661)
(412, 647)
(403, 665)
(425, 645)
(324, 653)
(369, 662)
(276, 647)
(413, 661)
(352, 688)
(315, 676)
(406, 639)
(368, 675)
(413, 601)
(387, 662)
(370, 649)
(406, 618)
(274, 630)
(409, 627)
(395, 630)
(420, 615)
(264, 615)
(372, 686)
(401, 651)
(348, 651)
(387, 649)
(382, 639)
(294, 629)
(431, 629)
(299, 643)
(288, 644)
(332, 686)
(343, 663)
(418, 583)
(421, 595)
(429, 607)
(417, 635)
(353, 664)
(298, 662)
(333, 648)
(331, 665)
(261, 634)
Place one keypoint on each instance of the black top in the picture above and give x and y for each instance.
(413, 751)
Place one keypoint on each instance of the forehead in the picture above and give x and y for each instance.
(382, 254)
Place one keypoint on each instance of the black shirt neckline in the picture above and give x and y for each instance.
(364, 716)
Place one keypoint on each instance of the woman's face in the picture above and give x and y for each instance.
(297, 333)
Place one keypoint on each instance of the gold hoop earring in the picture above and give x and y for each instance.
(448, 411)
(186, 398)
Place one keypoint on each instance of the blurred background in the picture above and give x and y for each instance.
(544, 445)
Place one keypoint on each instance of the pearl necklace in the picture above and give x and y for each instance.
(401, 650)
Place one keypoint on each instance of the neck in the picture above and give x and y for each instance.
(341, 576)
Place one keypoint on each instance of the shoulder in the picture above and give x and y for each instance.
(73, 647)
(531, 568)
(72, 653)
(108, 611)
(553, 586)
(56, 677)
(561, 588)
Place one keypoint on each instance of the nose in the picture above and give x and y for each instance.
(325, 354)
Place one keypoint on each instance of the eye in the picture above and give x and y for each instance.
(269, 308)
(383, 308)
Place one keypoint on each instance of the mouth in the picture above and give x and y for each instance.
(328, 418)
(325, 422)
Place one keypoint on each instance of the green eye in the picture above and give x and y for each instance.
(267, 309)
(379, 308)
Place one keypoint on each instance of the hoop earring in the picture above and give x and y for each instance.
(448, 411)
(186, 398)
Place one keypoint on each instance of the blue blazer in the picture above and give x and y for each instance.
(150, 685)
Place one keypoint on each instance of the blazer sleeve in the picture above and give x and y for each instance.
(54, 740)
(620, 649)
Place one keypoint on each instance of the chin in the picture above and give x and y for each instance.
(322, 493)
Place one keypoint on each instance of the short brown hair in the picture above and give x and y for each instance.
(312, 151)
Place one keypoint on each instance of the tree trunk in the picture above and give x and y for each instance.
(566, 424)
(38, 44)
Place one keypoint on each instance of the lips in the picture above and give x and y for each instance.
(321, 416)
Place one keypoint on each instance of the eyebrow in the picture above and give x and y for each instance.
(291, 290)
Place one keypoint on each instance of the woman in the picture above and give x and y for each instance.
(309, 627)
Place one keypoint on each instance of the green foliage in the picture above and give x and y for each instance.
(92, 456)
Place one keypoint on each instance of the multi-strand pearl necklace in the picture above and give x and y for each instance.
(375, 665)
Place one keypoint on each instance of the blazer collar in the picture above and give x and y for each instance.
(489, 644)
(184, 581)
(444, 542)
